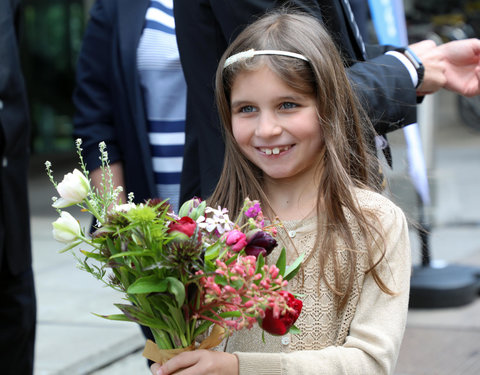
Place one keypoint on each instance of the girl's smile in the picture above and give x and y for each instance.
(275, 150)
(275, 125)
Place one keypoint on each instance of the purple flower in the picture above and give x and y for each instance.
(259, 242)
(253, 211)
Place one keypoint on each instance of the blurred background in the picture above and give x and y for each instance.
(71, 340)
(52, 36)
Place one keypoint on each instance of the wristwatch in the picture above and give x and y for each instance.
(416, 62)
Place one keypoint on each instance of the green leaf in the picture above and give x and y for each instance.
(294, 330)
(292, 269)
(210, 266)
(221, 280)
(153, 284)
(95, 256)
(177, 288)
(212, 251)
(134, 314)
(260, 264)
(133, 254)
(71, 246)
(111, 246)
(175, 318)
(118, 317)
(148, 284)
(202, 328)
(237, 284)
(231, 314)
(282, 261)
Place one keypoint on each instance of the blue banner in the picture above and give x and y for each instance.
(388, 18)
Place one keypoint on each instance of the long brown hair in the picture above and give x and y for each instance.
(347, 161)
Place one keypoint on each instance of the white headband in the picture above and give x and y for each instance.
(251, 52)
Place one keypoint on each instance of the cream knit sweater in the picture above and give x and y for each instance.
(364, 338)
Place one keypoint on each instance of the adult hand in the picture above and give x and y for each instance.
(198, 362)
(454, 66)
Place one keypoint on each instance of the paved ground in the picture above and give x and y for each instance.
(70, 340)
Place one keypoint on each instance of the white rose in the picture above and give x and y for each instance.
(66, 228)
(73, 189)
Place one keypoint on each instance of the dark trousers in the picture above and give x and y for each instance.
(17, 322)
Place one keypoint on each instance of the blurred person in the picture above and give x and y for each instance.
(130, 93)
(388, 80)
(17, 290)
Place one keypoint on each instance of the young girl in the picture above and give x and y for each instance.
(296, 140)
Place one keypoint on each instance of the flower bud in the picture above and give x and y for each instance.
(182, 229)
(73, 189)
(66, 228)
(281, 324)
(193, 208)
(236, 240)
(259, 242)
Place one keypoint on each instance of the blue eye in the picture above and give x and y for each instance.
(247, 109)
(288, 105)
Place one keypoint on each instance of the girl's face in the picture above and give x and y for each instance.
(276, 126)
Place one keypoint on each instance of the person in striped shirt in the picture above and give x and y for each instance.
(143, 125)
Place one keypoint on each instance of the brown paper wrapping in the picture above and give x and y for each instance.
(155, 354)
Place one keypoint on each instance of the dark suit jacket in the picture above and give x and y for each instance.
(15, 248)
(204, 29)
(108, 98)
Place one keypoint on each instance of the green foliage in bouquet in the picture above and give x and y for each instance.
(179, 273)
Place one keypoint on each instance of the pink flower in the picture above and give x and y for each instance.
(236, 240)
(281, 324)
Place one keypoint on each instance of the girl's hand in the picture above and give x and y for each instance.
(199, 362)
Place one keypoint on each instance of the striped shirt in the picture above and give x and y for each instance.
(164, 91)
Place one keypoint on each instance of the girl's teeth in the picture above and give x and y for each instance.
(274, 151)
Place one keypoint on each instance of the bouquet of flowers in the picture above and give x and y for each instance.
(184, 275)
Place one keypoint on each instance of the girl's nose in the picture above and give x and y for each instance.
(268, 125)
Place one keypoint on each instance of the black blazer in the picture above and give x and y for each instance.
(108, 99)
(204, 29)
(15, 247)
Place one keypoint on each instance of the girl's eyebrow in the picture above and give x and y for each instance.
(286, 98)
(240, 103)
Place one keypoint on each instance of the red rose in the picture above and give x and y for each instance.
(185, 225)
(280, 326)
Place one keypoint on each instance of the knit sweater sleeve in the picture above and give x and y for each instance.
(377, 329)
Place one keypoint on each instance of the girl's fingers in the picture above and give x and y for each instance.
(155, 369)
(182, 361)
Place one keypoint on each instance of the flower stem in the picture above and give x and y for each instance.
(94, 212)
